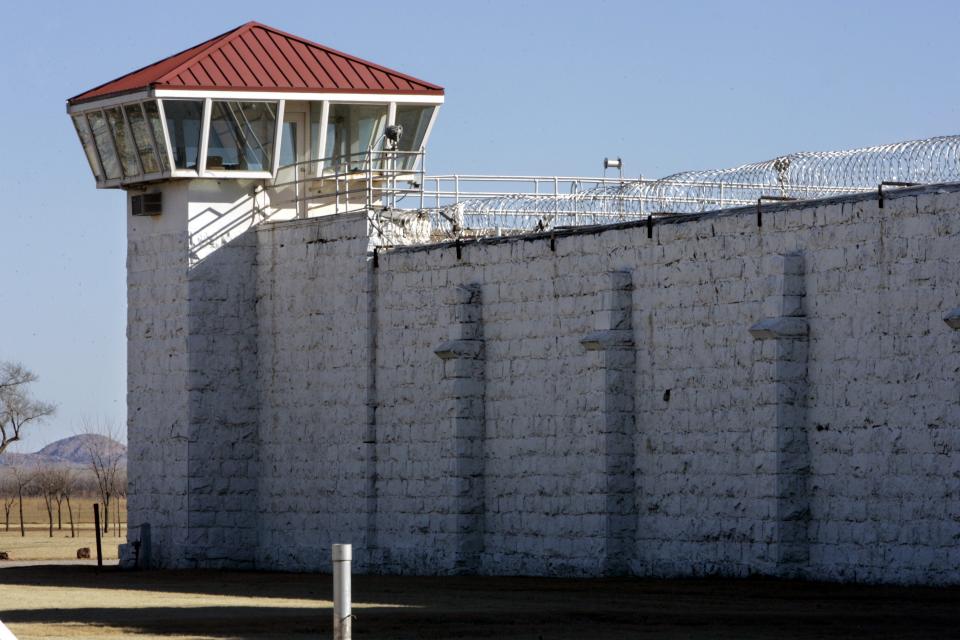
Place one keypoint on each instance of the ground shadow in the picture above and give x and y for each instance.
(496, 607)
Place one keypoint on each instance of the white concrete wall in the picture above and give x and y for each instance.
(312, 279)
(831, 455)
(157, 371)
(192, 381)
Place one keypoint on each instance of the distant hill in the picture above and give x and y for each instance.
(71, 451)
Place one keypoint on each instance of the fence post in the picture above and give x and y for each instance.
(96, 523)
(342, 556)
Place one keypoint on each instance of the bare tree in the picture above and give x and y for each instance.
(46, 484)
(61, 477)
(8, 494)
(105, 458)
(121, 487)
(17, 406)
(67, 484)
(22, 478)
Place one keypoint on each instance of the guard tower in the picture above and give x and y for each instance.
(253, 126)
(258, 123)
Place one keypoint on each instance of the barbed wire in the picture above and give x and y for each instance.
(804, 175)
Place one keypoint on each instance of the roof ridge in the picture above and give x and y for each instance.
(348, 56)
(211, 44)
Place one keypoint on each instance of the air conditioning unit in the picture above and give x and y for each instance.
(146, 204)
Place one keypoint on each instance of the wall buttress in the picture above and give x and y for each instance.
(613, 343)
(463, 387)
(783, 464)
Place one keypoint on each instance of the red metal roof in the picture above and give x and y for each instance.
(255, 57)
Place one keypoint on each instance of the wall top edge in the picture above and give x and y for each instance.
(316, 221)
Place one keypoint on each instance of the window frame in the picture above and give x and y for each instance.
(153, 136)
(390, 108)
(435, 108)
(264, 174)
(133, 141)
(102, 114)
(98, 172)
(136, 146)
(176, 172)
(123, 102)
(160, 96)
(137, 176)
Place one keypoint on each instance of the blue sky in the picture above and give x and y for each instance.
(532, 88)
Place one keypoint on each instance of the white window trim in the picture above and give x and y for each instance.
(204, 136)
(277, 135)
(261, 96)
(109, 184)
(149, 177)
(426, 134)
(273, 96)
(320, 153)
(133, 181)
(95, 105)
(166, 134)
(258, 175)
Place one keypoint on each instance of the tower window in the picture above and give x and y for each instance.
(241, 136)
(184, 122)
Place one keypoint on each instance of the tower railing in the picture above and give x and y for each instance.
(367, 180)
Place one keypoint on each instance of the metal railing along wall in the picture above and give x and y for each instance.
(396, 180)
(799, 176)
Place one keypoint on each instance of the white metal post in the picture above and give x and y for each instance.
(204, 135)
(342, 556)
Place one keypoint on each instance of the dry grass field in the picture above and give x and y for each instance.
(80, 602)
(38, 545)
(34, 511)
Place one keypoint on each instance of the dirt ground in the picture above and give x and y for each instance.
(37, 545)
(80, 602)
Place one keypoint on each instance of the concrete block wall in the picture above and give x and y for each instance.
(314, 362)
(779, 399)
(222, 387)
(883, 412)
(158, 424)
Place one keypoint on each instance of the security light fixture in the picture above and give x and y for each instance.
(393, 133)
(613, 163)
